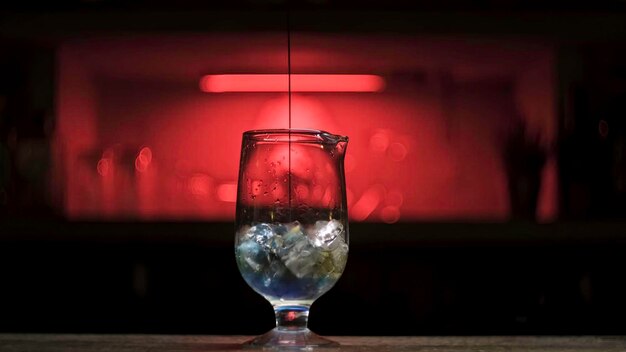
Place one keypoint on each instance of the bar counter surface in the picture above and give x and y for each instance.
(184, 343)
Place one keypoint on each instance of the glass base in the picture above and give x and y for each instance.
(301, 339)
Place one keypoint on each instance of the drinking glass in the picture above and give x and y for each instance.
(291, 240)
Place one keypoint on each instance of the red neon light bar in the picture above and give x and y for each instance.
(299, 83)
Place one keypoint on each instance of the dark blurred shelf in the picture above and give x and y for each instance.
(443, 278)
(560, 24)
(361, 234)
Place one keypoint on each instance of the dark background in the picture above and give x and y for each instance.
(463, 277)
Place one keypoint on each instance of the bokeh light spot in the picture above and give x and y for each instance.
(394, 198)
(145, 155)
(366, 204)
(603, 128)
(104, 166)
(390, 214)
(227, 192)
(140, 165)
(397, 151)
(200, 185)
(379, 142)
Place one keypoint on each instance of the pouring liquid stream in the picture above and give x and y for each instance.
(289, 113)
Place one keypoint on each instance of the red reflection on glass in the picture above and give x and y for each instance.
(268, 171)
(302, 192)
(291, 316)
(257, 188)
(299, 83)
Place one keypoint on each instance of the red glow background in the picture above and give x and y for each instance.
(137, 138)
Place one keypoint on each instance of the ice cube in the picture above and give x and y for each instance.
(298, 255)
(285, 236)
(340, 255)
(326, 235)
(261, 234)
(325, 265)
(283, 229)
(275, 271)
(291, 233)
(251, 254)
(265, 236)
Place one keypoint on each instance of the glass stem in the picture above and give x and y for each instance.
(291, 318)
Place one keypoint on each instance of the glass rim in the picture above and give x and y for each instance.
(287, 135)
